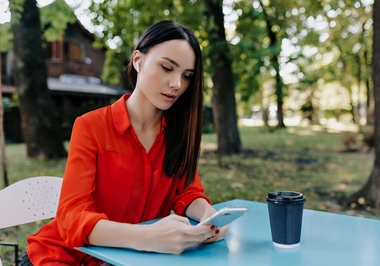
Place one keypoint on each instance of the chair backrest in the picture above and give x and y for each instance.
(29, 200)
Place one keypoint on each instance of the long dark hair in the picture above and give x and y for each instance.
(184, 118)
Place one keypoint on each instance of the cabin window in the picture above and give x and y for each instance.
(54, 51)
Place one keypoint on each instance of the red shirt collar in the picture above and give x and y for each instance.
(120, 115)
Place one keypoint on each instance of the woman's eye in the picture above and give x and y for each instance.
(187, 76)
(166, 69)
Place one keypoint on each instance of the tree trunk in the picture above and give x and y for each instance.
(367, 87)
(353, 108)
(275, 47)
(357, 117)
(40, 121)
(2, 137)
(370, 192)
(279, 94)
(223, 99)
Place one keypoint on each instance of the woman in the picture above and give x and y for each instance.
(135, 161)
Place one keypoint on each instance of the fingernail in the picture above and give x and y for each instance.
(216, 231)
(212, 226)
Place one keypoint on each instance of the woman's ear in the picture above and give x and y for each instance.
(137, 57)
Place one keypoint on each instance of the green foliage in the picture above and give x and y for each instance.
(18, 7)
(121, 23)
(54, 19)
(112, 67)
(248, 52)
(336, 113)
(5, 37)
(8, 104)
(331, 40)
(260, 30)
(336, 35)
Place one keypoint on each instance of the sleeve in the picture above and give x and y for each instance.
(76, 216)
(184, 197)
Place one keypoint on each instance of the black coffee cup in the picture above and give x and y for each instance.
(285, 215)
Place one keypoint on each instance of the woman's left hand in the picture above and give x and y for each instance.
(200, 210)
(220, 231)
(220, 234)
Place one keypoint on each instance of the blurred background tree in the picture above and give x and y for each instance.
(223, 96)
(5, 45)
(40, 123)
(369, 194)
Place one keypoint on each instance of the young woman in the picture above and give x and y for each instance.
(136, 160)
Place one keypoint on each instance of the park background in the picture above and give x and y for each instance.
(289, 93)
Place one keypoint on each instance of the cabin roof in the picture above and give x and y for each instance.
(74, 84)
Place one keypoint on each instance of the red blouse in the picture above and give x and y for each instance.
(109, 175)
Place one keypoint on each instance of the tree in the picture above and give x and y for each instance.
(40, 120)
(348, 35)
(2, 137)
(275, 48)
(369, 194)
(262, 27)
(5, 45)
(54, 19)
(247, 51)
(223, 98)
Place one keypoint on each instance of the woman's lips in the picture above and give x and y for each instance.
(170, 97)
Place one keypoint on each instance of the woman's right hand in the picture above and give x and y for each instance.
(173, 234)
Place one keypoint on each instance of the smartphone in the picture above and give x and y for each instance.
(225, 216)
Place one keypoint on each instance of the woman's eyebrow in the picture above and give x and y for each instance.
(176, 64)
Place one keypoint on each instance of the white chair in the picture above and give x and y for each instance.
(29, 200)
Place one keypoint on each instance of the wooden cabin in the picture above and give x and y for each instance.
(74, 54)
(74, 67)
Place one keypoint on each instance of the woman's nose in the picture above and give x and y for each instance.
(175, 83)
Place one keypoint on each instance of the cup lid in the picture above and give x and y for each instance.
(285, 197)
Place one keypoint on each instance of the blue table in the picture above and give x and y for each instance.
(327, 239)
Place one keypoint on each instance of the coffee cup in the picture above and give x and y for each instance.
(285, 216)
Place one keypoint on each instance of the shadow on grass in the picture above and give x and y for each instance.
(326, 176)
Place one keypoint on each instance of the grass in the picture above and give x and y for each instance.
(306, 159)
